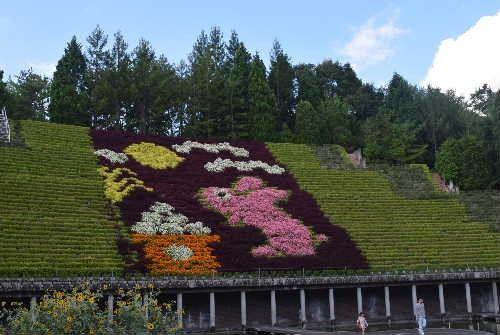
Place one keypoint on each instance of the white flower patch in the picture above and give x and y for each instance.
(112, 156)
(222, 193)
(219, 165)
(185, 148)
(179, 252)
(161, 219)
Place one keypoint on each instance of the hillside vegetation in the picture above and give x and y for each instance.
(392, 232)
(52, 207)
(55, 219)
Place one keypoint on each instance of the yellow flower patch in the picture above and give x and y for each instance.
(156, 156)
(120, 182)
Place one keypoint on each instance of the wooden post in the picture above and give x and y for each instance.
(243, 304)
(331, 303)
(494, 289)
(387, 304)
(303, 307)
(273, 308)
(468, 299)
(212, 311)
(110, 308)
(360, 299)
(179, 309)
(414, 298)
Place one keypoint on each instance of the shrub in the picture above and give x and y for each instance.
(78, 312)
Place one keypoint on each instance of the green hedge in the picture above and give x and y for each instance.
(392, 232)
(53, 217)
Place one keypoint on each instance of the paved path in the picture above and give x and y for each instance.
(428, 331)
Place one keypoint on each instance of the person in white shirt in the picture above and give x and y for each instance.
(420, 315)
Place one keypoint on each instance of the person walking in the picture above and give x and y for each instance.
(420, 315)
(361, 323)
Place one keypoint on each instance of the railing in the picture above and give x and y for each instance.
(3, 117)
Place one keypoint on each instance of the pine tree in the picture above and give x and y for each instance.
(97, 61)
(68, 93)
(152, 92)
(238, 62)
(199, 109)
(111, 95)
(281, 78)
(263, 111)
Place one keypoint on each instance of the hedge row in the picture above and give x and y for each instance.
(392, 232)
(53, 218)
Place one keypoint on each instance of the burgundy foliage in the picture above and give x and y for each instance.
(180, 186)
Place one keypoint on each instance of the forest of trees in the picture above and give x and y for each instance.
(225, 91)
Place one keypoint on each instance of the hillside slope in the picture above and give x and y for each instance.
(392, 232)
(52, 207)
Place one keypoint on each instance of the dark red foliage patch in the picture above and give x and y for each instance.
(179, 187)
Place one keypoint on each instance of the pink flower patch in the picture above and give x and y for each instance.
(250, 203)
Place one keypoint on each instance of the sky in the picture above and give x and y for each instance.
(450, 44)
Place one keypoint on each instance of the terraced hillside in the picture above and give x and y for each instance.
(392, 232)
(193, 208)
(52, 207)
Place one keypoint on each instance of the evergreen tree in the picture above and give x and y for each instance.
(237, 85)
(219, 121)
(263, 110)
(29, 96)
(112, 91)
(335, 122)
(307, 124)
(388, 141)
(281, 81)
(308, 87)
(464, 161)
(68, 93)
(152, 92)
(97, 61)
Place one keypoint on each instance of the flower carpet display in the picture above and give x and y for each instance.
(249, 202)
(219, 206)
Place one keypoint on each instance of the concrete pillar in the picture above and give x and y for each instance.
(494, 289)
(414, 298)
(110, 308)
(387, 303)
(243, 305)
(468, 298)
(302, 307)
(33, 308)
(442, 307)
(212, 310)
(331, 303)
(360, 299)
(273, 308)
(179, 309)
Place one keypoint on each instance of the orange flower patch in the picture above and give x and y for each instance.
(202, 261)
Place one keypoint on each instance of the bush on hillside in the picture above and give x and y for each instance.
(464, 161)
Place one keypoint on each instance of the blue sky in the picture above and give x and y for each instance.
(379, 37)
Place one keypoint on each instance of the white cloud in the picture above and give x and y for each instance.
(470, 60)
(371, 44)
(46, 69)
